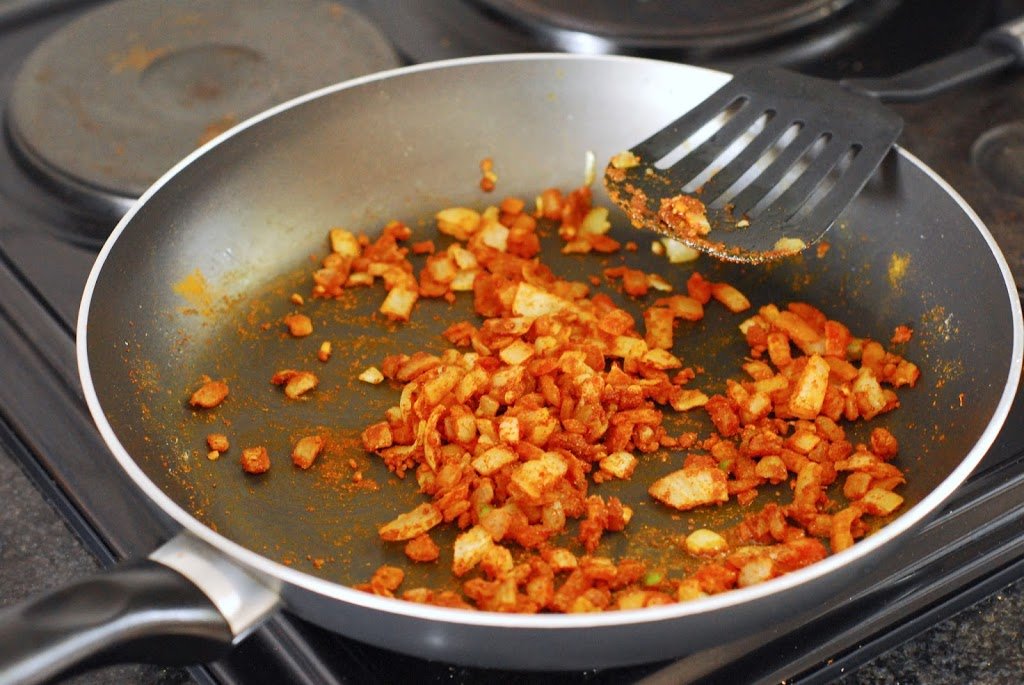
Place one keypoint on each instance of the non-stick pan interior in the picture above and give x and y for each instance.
(200, 277)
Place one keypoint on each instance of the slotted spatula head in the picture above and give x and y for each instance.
(786, 154)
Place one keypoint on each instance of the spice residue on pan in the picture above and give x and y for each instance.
(897, 271)
(195, 290)
(941, 321)
(210, 298)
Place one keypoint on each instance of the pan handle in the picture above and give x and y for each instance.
(184, 605)
(999, 49)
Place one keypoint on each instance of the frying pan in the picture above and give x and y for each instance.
(196, 278)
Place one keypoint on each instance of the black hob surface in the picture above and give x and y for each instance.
(49, 236)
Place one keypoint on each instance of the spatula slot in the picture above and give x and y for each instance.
(803, 180)
(728, 144)
(828, 184)
(780, 173)
(741, 170)
(720, 120)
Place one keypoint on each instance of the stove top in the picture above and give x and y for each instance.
(50, 232)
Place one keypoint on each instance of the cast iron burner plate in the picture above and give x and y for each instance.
(111, 101)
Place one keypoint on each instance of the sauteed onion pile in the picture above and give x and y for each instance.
(554, 388)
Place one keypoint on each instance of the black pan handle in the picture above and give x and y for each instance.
(998, 50)
(143, 611)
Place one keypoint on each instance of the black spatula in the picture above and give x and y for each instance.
(786, 153)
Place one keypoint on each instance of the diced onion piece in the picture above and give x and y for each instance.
(344, 243)
(595, 222)
(809, 392)
(588, 167)
(412, 523)
(803, 441)
(627, 347)
(661, 359)
(704, 542)
(684, 307)
(690, 487)
(495, 235)
(868, 393)
(879, 502)
(733, 299)
(677, 252)
(756, 571)
(372, 375)
(399, 303)
(306, 451)
(789, 245)
(772, 469)
(508, 430)
(211, 394)
(377, 436)
(517, 353)
(658, 321)
(492, 460)
(532, 301)
(470, 548)
(464, 259)
(689, 589)
(688, 399)
(299, 384)
(619, 464)
(533, 478)
(255, 460)
(299, 325)
(458, 222)
(625, 160)
(658, 283)
(463, 281)
(560, 559)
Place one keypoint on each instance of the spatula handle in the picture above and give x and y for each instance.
(999, 49)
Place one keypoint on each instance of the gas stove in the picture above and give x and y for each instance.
(76, 151)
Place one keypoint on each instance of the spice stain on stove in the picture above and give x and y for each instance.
(216, 127)
(137, 58)
(81, 112)
(191, 19)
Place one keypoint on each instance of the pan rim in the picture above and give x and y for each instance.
(279, 573)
